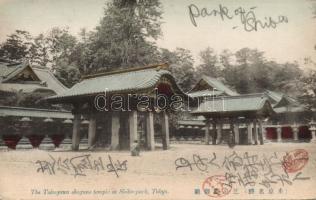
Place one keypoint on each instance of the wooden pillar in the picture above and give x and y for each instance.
(214, 131)
(92, 130)
(264, 133)
(219, 131)
(279, 134)
(255, 131)
(76, 132)
(236, 130)
(312, 129)
(295, 132)
(165, 131)
(232, 134)
(313, 132)
(150, 133)
(132, 120)
(115, 130)
(249, 132)
(207, 131)
(261, 133)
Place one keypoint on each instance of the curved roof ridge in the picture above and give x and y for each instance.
(52, 75)
(242, 96)
(150, 81)
(234, 105)
(127, 70)
(31, 108)
(134, 81)
(219, 85)
(15, 71)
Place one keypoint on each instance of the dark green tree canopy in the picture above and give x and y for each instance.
(181, 66)
(209, 63)
(126, 37)
(17, 46)
(126, 34)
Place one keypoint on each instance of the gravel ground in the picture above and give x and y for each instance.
(270, 171)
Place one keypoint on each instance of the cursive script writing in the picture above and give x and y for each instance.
(78, 165)
(244, 169)
(247, 18)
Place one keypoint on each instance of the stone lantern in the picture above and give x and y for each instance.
(49, 126)
(25, 125)
(25, 122)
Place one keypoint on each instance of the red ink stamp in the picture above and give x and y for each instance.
(295, 160)
(216, 186)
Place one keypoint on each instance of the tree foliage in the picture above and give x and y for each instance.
(209, 63)
(125, 37)
(17, 46)
(181, 66)
(308, 86)
(126, 34)
(249, 71)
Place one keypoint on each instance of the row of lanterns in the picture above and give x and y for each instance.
(49, 120)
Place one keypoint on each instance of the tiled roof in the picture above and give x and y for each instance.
(122, 82)
(283, 103)
(287, 109)
(219, 85)
(52, 82)
(230, 104)
(8, 70)
(33, 112)
(274, 96)
(205, 93)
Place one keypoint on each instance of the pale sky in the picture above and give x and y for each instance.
(290, 41)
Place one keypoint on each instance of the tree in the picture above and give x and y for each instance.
(60, 51)
(308, 87)
(238, 78)
(126, 34)
(225, 58)
(209, 63)
(67, 73)
(43, 50)
(246, 56)
(181, 66)
(254, 73)
(62, 44)
(40, 51)
(17, 46)
(125, 37)
(308, 95)
(245, 74)
(263, 75)
(82, 54)
(286, 77)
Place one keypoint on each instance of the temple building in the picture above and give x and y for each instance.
(120, 107)
(291, 121)
(244, 114)
(287, 121)
(23, 118)
(206, 89)
(210, 87)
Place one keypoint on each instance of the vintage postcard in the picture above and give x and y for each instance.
(157, 99)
